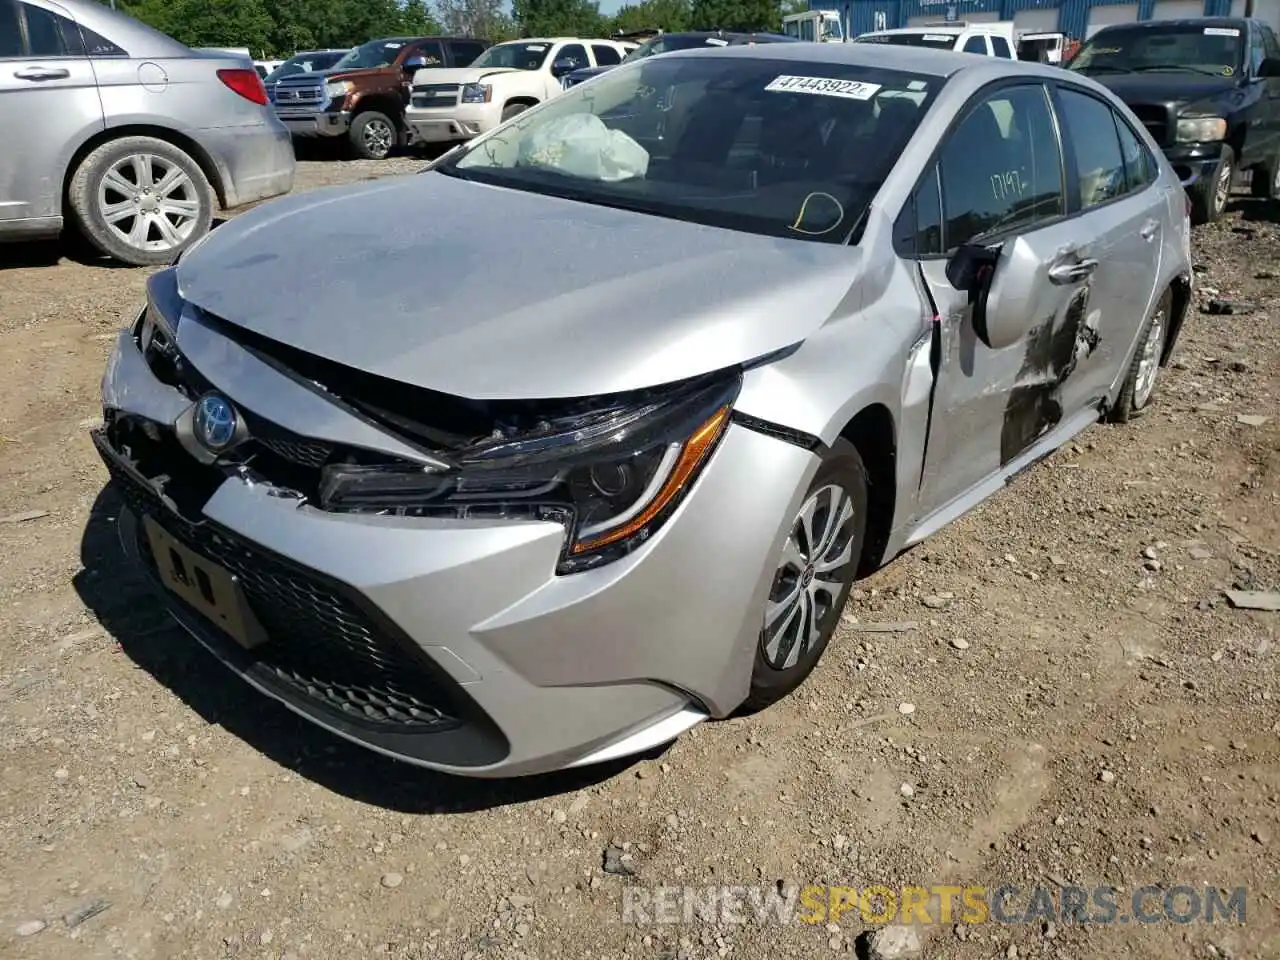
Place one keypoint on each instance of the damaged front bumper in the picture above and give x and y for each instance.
(449, 643)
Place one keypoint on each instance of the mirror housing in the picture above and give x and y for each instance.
(1270, 69)
(562, 66)
(415, 63)
(1001, 282)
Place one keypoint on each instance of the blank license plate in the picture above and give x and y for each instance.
(207, 587)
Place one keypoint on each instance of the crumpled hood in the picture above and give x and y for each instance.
(489, 293)
(459, 74)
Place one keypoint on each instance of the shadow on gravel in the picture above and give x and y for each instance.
(125, 601)
(1256, 211)
(70, 246)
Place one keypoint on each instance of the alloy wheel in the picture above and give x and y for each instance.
(378, 137)
(1222, 188)
(809, 579)
(149, 202)
(1149, 361)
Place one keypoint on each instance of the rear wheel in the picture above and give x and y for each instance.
(1145, 367)
(373, 135)
(141, 200)
(813, 577)
(1266, 180)
(1209, 195)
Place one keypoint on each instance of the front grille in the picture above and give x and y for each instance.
(286, 95)
(435, 94)
(299, 450)
(1156, 119)
(323, 646)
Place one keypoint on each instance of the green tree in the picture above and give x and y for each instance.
(746, 15)
(555, 18)
(669, 15)
(485, 19)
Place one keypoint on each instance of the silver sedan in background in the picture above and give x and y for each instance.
(127, 134)
(764, 317)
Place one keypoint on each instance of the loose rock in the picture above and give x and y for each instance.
(30, 928)
(894, 942)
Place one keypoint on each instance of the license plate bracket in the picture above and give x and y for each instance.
(210, 589)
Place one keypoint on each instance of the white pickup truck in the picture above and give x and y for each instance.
(458, 104)
(986, 39)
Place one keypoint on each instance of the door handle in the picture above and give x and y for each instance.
(42, 73)
(1149, 229)
(1071, 271)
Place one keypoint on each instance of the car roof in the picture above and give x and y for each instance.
(921, 60)
(1180, 22)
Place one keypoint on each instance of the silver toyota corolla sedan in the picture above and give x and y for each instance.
(125, 133)
(581, 436)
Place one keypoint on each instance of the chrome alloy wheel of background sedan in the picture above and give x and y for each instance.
(149, 202)
(807, 584)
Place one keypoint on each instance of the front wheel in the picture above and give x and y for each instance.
(373, 135)
(813, 577)
(1209, 195)
(1145, 367)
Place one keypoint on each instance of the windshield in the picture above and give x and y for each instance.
(1184, 48)
(371, 55)
(305, 63)
(521, 56)
(737, 143)
(939, 41)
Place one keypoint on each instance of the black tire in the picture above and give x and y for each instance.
(1208, 202)
(89, 189)
(513, 110)
(1132, 401)
(373, 135)
(770, 682)
(1266, 180)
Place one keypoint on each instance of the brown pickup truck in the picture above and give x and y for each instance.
(363, 96)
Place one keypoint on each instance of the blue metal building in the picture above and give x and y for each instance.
(1076, 18)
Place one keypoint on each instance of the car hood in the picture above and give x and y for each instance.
(490, 293)
(585, 73)
(1172, 87)
(460, 75)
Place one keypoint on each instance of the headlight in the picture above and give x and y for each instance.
(156, 329)
(476, 93)
(611, 475)
(337, 89)
(1201, 129)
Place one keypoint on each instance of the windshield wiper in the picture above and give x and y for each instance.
(1174, 66)
(1104, 68)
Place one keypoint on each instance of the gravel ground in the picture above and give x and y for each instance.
(1067, 700)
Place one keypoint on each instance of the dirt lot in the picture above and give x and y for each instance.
(1085, 709)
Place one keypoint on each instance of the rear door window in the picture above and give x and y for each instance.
(49, 35)
(1140, 168)
(1095, 144)
(10, 35)
(975, 44)
(1002, 48)
(605, 56)
(465, 51)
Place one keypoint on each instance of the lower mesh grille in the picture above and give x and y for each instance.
(323, 647)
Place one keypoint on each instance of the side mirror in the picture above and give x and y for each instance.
(1000, 280)
(414, 63)
(562, 66)
(1270, 69)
